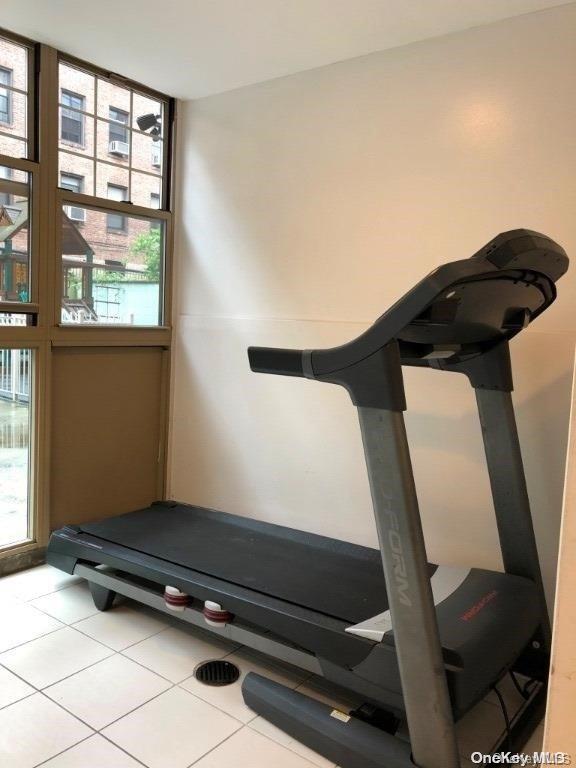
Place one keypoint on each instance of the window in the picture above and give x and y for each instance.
(156, 158)
(113, 281)
(16, 61)
(155, 203)
(14, 235)
(112, 264)
(16, 366)
(72, 124)
(107, 126)
(115, 222)
(5, 196)
(74, 184)
(107, 263)
(118, 131)
(5, 96)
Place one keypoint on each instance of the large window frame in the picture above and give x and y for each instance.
(44, 330)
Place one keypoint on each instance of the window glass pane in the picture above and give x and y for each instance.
(6, 108)
(13, 113)
(116, 222)
(147, 153)
(146, 190)
(76, 135)
(13, 98)
(126, 133)
(77, 81)
(15, 413)
(5, 194)
(73, 183)
(112, 95)
(111, 175)
(12, 147)
(83, 167)
(14, 58)
(112, 274)
(113, 143)
(144, 106)
(117, 128)
(13, 174)
(14, 235)
(72, 121)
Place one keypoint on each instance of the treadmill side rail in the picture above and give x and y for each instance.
(113, 583)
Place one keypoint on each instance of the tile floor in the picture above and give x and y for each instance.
(83, 689)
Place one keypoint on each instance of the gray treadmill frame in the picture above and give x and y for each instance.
(510, 492)
(416, 637)
(370, 368)
(395, 502)
(411, 603)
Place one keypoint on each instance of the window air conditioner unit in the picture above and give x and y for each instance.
(74, 213)
(156, 156)
(121, 148)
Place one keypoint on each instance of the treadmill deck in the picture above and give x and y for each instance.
(333, 577)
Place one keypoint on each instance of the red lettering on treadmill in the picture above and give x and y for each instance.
(475, 609)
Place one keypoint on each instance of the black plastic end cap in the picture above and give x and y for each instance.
(282, 362)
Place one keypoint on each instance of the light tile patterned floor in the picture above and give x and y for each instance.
(83, 689)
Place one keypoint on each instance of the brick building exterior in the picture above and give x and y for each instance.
(102, 153)
(13, 124)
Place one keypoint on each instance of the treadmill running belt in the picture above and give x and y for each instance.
(333, 577)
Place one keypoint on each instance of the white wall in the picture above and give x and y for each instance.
(559, 733)
(308, 205)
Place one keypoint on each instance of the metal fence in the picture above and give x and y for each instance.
(15, 367)
(8, 318)
(14, 432)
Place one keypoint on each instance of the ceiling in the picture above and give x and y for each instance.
(194, 48)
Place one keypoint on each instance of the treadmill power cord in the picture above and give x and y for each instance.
(506, 716)
(521, 690)
(524, 690)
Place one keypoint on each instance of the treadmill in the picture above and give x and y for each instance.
(419, 644)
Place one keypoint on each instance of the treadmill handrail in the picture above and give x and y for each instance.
(516, 250)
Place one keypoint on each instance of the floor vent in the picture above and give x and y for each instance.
(217, 672)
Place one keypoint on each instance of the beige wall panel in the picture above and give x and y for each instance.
(324, 195)
(106, 425)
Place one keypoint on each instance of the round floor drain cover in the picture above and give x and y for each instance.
(217, 672)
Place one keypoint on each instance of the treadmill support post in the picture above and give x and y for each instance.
(415, 627)
(509, 492)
